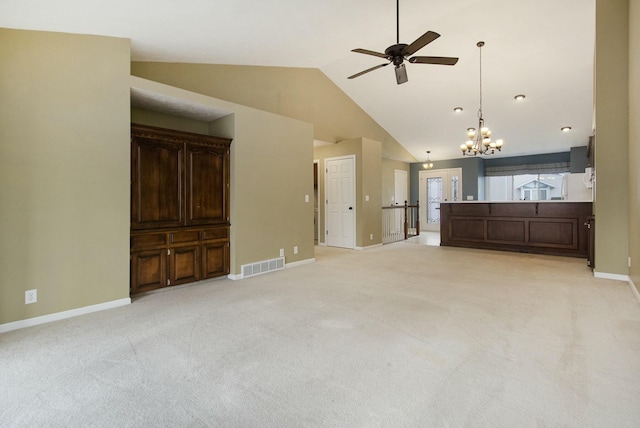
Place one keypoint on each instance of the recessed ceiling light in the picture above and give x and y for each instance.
(519, 97)
(458, 109)
(565, 129)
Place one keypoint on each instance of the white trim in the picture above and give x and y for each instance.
(613, 276)
(29, 322)
(635, 290)
(322, 244)
(368, 247)
(234, 277)
(317, 201)
(300, 263)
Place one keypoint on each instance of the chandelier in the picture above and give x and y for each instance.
(428, 164)
(480, 138)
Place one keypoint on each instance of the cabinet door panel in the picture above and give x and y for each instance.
(148, 270)
(156, 183)
(215, 259)
(185, 264)
(206, 185)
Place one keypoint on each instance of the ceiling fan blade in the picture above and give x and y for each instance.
(420, 42)
(441, 60)
(368, 52)
(367, 70)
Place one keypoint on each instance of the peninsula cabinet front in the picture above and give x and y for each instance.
(555, 228)
(179, 207)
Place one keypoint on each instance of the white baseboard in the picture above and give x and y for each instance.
(634, 288)
(322, 244)
(613, 276)
(29, 322)
(234, 277)
(300, 263)
(368, 247)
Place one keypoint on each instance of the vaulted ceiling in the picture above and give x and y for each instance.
(543, 49)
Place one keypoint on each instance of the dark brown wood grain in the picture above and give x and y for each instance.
(556, 228)
(179, 207)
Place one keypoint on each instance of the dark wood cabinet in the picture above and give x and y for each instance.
(148, 270)
(536, 227)
(591, 233)
(157, 177)
(177, 256)
(179, 184)
(207, 188)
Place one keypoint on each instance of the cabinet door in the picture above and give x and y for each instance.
(215, 259)
(207, 185)
(148, 270)
(157, 176)
(185, 264)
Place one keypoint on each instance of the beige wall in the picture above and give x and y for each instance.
(300, 93)
(634, 141)
(368, 182)
(152, 118)
(611, 204)
(369, 229)
(64, 169)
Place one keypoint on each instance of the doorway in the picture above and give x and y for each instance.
(340, 217)
(436, 186)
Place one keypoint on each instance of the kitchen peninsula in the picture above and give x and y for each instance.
(544, 227)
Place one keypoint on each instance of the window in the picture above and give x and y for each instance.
(525, 187)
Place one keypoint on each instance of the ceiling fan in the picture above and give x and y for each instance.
(397, 53)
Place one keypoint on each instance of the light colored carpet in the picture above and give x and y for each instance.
(403, 335)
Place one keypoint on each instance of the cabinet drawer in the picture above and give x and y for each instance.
(184, 236)
(148, 240)
(215, 233)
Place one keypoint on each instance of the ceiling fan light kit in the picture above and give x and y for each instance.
(480, 142)
(400, 52)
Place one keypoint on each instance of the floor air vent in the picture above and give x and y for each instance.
(264, 266)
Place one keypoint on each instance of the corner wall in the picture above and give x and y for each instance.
(64, 168)
(368, 183)
(271, 172)
(634, 141)
(611, 202)
(304, 94)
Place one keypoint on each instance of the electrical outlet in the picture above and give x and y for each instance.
(281, 252)
(295, 250)
(629, 261)
(306, 198)
(30, 296)
(371, 237)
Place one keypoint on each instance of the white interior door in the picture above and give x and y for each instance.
(340, 200)
(436, 186)
(400, 186)
(400, 195)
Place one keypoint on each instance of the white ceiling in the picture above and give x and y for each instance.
(541, 48)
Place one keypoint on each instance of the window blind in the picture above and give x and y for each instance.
(543, 168)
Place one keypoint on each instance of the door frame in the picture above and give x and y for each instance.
(326, 197)
(317, 200)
